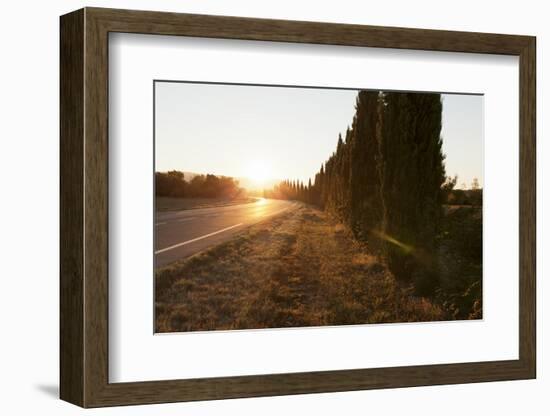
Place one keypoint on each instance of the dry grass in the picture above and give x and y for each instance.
(299, 269)
(165, 203)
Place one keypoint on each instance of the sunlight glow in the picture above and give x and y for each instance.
(258, 172)
(405, 247)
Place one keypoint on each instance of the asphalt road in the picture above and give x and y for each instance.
(180, 234)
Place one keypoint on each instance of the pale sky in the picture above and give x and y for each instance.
(280, 132)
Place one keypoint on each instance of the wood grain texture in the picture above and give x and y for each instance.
(71, 213)
(527, 208)
(162, 23)
(96, 229)
(84, 203)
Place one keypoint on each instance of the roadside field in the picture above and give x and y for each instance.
(297, 269)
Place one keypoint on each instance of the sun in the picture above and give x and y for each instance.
(258, 171)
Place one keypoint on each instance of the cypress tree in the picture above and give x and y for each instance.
(412, 172)
(365, 205)
(318, 187)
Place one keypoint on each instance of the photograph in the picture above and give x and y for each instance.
(281, 206)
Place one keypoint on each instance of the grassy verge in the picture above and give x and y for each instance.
(460, 258)
(298, 269)
(164, 203)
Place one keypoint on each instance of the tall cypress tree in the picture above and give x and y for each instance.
(364, 179)
(319, 187)
(412, 172)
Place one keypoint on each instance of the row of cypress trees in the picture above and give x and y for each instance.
(291, 189)
(384, 181)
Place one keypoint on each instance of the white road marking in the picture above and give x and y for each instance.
(197, 239)
(187, 219)
(182, 220)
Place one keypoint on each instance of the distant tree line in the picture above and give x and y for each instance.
(291, 189)
(472, 196)
(173, 184)
(385, 181)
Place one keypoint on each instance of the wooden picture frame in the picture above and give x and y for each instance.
(84, 207)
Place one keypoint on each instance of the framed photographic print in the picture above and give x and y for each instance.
(255, 207)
